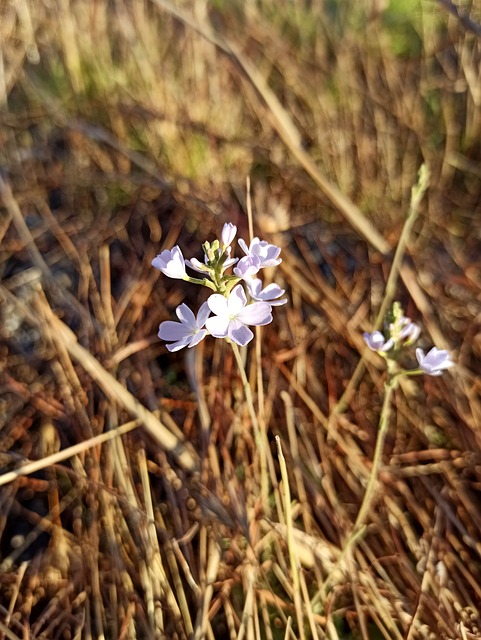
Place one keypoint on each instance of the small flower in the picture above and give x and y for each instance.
(267, 253)
(228, 234)
(232, 314)
(171, 263)
(377, 342)
(435, 362)
(269, 294)
(403, 331)
(247, 267)
(186, 333)
(197, 265)
(229, 262)
(410, 332)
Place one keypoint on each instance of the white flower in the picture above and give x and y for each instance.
(404, 331)
(232, 314)
(267, 253)
(410, 332)
(228, 234)
(171, 263)
(247, 267)
(186, 333)
(269, 294)
(229, 262)
(377, 342)
(197, 265)
(435, 362)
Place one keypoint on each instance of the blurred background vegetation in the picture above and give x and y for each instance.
(127, 126)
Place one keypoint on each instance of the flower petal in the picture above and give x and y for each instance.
(202, 315)
(243, 245)
(267, 253)
(218, 304)
(228, 234)
(389, 344)
(247, 267)
(419, 355)
(186, 316)
(268, 294)
(197, 265)
(257, 313)
(197, 337)
(171, 263)
(217, 326)
(236, 300)
(272, 290)
(180, 344)
(434, 362)
(438, 358)
(239, 333)
(278, 303)
(169, 330)
(376, 341)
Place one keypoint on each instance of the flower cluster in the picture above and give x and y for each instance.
(232, 311)
(399, 332)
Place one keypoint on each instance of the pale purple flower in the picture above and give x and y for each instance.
(377, 342)
(247, 267)
(186, 333)
(435, 362)
(268, 254)
(197, 265)
(171, 263)
(232, 314)
(410, 332)
(269, 294)
(404, 330)
(229, 262)
(228, 234)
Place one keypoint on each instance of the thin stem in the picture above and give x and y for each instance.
(255, 424)
(264, 448)
(202, 281)
(370, 493)
(369, 496)
(249, 208)
(417, 194)
(296, 588)
(413, 372)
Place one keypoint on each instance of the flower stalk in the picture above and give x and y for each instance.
(369, 495)
(239, 300)
(391, 344)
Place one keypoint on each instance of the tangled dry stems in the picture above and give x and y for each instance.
(118, 144)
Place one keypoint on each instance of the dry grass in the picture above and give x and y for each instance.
(131, 495)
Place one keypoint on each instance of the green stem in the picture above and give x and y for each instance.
(369, 496)
(417, 194)
(412, 372)
(202, 281)
(370, 493)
